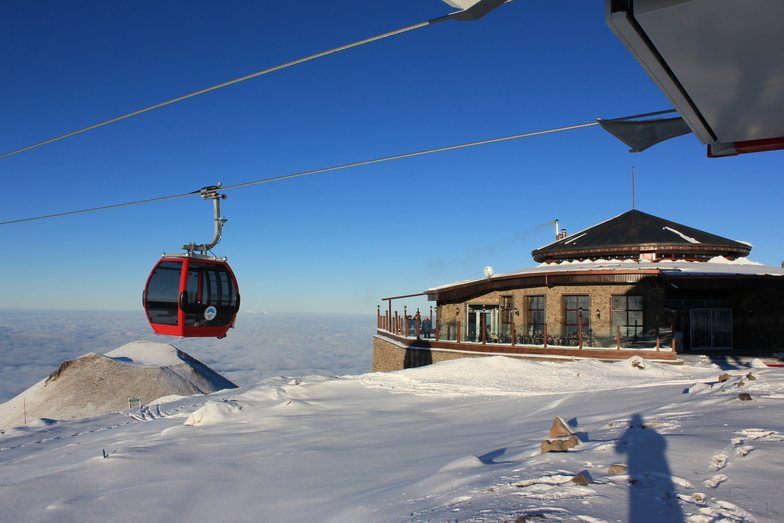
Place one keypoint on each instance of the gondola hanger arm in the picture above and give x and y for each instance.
(210, 193)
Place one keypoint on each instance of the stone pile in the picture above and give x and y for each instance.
(562, 437)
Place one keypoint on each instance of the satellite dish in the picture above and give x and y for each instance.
(488, 271)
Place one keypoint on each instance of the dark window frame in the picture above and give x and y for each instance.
(536, 314)
(571, 317)
(628, 313)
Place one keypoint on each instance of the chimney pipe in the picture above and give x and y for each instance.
(558, 233)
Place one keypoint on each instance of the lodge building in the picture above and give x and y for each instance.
(633, 285)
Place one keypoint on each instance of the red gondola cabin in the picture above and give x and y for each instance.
(191, 297)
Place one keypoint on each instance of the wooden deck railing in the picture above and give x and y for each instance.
(416, 327)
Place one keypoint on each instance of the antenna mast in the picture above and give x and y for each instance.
(634, 203)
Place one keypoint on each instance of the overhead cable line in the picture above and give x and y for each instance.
(335, 168)
(409, 155)
(473, 13)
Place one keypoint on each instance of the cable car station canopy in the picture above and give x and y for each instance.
(719, 62)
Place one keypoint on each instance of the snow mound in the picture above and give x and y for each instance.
(95, 384)
(146, 354)
(462, 463)
(500, 375)
(213, 413)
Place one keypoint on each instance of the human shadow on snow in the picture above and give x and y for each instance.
(652, 494)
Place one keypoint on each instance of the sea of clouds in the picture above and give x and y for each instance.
(34, 343)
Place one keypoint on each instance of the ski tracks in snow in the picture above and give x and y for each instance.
(144, 413)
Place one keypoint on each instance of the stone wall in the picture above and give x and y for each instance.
(390, 354)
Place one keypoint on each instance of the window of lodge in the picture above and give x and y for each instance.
(627, 313)
(507, 305)
(574, 308)
(536, 321)
(507, 314)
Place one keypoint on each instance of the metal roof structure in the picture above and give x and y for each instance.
(634, 233)
(719, 62)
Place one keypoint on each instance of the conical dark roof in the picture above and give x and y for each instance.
(634, 233)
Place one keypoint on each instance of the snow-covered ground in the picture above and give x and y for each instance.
(457, 441)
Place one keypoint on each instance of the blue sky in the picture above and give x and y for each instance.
(338, 241)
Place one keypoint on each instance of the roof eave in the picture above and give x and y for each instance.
(713, 250)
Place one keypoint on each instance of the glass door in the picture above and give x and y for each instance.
(482, 323)
(711, 328)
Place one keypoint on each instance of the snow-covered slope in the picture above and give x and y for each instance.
(455, 441)
(94, 384)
